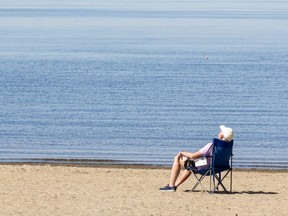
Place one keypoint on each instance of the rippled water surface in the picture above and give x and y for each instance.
(141, 80)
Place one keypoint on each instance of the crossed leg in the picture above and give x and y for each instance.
(176, 179)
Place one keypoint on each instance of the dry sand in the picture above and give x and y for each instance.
(76, 190)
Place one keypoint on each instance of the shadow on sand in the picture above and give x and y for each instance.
(253, 192)
(239, 192)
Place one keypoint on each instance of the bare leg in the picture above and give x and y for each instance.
(176, 167)
(184, 175)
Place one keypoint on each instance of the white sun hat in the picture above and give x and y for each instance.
(227, 133)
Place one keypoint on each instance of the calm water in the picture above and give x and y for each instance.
(141, 80)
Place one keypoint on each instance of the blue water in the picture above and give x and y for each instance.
(139, 81)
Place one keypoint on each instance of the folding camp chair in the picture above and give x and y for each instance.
(221, 161)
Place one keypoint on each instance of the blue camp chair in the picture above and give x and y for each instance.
(220, 166)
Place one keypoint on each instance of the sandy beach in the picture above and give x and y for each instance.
(109, 190)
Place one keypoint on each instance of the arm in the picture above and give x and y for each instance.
(191, 155)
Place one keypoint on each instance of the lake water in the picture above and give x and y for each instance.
(138, 81)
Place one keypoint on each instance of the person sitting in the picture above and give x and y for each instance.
(176, 179)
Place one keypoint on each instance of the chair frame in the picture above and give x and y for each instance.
(214, 172)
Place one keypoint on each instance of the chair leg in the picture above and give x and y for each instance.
(216, 185)
(210, 183)
(220, 180)
(231, 181)
(199, 181)
(220, 183)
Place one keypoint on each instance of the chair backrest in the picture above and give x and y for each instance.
(222, 151)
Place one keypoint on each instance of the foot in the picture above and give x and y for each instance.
(168, 188)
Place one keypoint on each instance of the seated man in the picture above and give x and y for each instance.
(226, 134)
